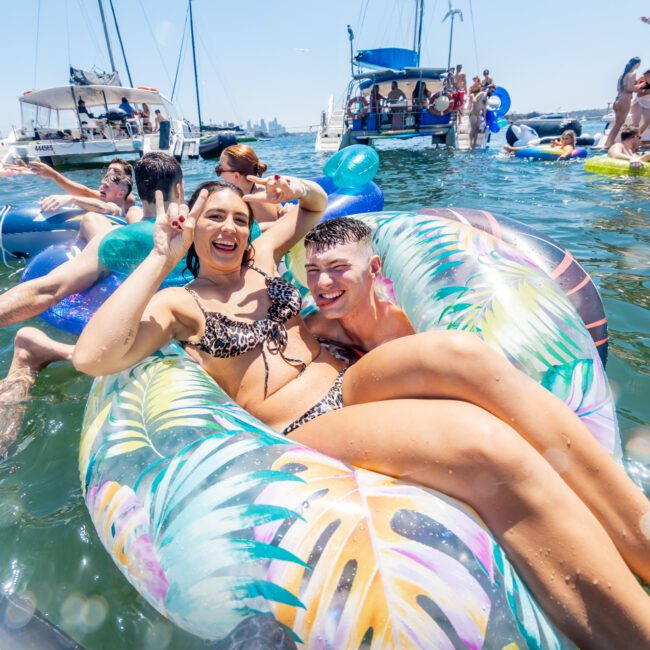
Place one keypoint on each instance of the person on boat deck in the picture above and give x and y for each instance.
(566, 144)
(159, 118)
(628, 148)
(461, 90)
(126, 107)
(241, 323)
(375, 101)
(625, 88)
(396, 97)
(477, 114)
(487, 80)
(420, 96)
(145, 114)
(117, 166)
(33, 349)
(82, 110)
(236, 164)
(476, 86)
(642, 113)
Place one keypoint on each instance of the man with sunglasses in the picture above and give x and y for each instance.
(628, 147)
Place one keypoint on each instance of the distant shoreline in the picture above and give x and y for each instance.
(590, 113)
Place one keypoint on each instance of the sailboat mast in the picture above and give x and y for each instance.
(119, 38)
(420, 21)
(108, 42)
(196, 75)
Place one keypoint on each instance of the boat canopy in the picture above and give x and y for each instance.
(66, 97)
(369, 79)
(393, 58)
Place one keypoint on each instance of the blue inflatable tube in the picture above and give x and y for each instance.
(504, 97)
(73, 312)
(25, 231)
(548, 153)
(355, 200)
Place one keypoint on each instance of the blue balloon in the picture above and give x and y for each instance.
(492, 121)
(353, 166)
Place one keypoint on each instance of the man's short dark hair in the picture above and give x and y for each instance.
(628, 132)
(126, 165)
(336, 232)
(157, 171)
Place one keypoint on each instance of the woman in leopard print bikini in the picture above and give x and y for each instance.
(242, 324)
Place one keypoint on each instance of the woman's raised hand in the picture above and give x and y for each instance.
(277, 189)
(174, 230)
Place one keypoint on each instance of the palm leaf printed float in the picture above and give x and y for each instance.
(233, 531)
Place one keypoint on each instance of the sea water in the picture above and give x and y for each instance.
(49, 552)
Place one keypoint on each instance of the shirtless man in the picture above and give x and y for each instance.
(117, 165)
(33, 349)
(341, 269)
(628, 147)
(477, 114)
(159, 118)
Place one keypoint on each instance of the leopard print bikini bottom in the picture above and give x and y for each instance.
(332, 401)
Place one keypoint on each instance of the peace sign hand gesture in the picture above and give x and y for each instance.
(277, 189)
(173, 232)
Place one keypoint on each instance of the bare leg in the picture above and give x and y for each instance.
(28, 299)
(93, 224)
(556, 544)
(33, 350)
(459, 365)
(621, 109)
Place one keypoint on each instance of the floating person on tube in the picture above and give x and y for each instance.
(628, 148)
(565, 145)
(241, 322)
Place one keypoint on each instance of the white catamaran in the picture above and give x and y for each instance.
(95, 117)
(424, 109)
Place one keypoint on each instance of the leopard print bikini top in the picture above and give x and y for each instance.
(225, 337)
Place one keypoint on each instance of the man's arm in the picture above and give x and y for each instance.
(97, 205)
(70, 187)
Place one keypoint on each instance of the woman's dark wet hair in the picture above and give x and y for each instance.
(192, 259)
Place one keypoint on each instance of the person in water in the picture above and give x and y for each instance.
(236, 164)
(33, 349)
(72, 188)
(625, 88)
(565, 145)
(241, 323)
(628, 148)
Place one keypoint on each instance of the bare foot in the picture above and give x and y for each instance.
(33, 350)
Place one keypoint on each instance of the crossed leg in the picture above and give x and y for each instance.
(458, 365)
(557, 545)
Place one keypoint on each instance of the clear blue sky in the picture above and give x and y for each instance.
(284, 58)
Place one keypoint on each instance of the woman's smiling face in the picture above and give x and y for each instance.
(222, 230)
